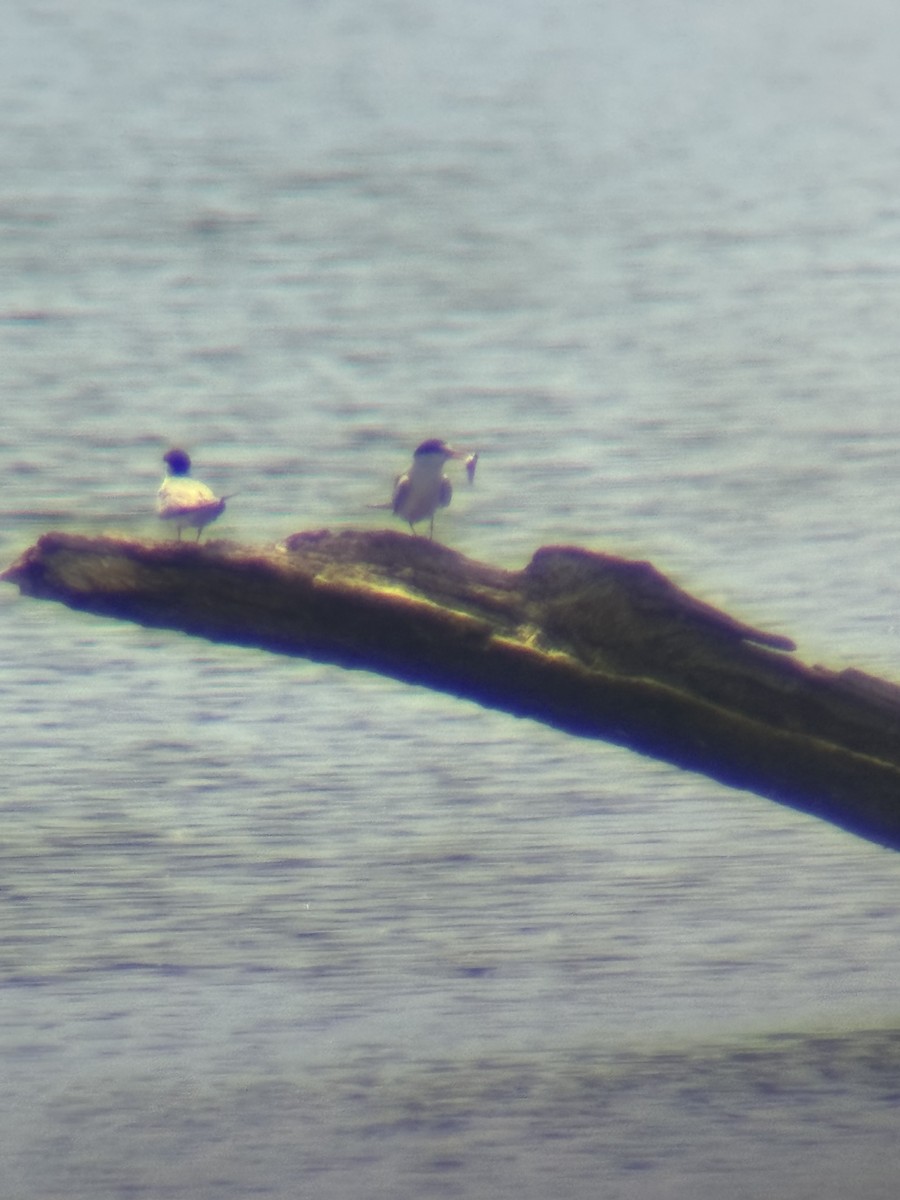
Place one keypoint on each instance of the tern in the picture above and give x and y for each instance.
(183, 500)
(425, 488)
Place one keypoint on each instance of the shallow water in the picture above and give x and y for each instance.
(266, 924)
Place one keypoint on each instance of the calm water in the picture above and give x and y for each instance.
(270, 928)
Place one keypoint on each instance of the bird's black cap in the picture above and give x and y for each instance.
(179, 461)
(433, 446)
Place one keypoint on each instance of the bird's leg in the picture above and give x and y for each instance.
(431, 529)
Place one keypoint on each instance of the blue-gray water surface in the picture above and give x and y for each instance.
(272, 928)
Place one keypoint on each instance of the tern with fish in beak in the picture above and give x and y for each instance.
(425, 488)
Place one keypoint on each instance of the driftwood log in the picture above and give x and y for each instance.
(595, 645)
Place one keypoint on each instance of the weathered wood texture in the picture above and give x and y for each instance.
(595, 645)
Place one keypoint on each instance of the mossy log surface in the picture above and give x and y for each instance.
(596, 645)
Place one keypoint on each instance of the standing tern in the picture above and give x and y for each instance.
(425, 488)
(183, 500)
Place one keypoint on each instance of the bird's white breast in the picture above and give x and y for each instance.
(176, 497)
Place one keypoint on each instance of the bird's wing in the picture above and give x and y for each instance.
(445, 495)
(401, 493)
